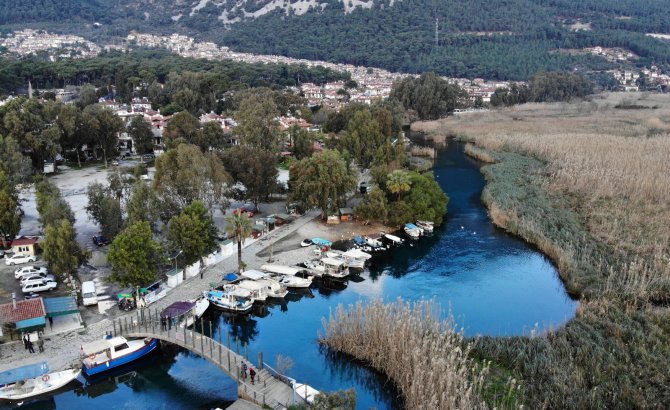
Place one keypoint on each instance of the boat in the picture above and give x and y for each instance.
(358, 254)
(306, 242)
(335, 268)
(375, 242)
(427, 226)
(348, 261)
(106, 354)
(33, 380)
(394, 239)
(231, 298)
(413, 231)
(271, 287)
(184, 313)
(322, 242)
(314, 268)
(257, 290)
(288, 275)
(306, 392)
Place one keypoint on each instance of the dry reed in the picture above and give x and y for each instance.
(424, 356)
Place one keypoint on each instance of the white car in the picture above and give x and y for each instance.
(39, 286)
(29, 270)
(19, 258)
(36, 277)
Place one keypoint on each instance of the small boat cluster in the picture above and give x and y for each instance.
(384, 241)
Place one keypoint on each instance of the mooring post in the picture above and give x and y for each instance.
(237, 345)
(211, 338)
(202, 336)
(246, 351)
(125, 319)
(139, 328)
(219, 347)
(260, 360)
(114, 324)
(184, 335)
(229, 341)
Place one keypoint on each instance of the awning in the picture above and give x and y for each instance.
(24, 372)
(29, 325)
(61, 306)
(177, 309)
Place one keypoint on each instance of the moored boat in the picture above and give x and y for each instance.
(306, 392)
(106, 354)
(413, 231)
(427, 226)
(348, 261)
(335, 268)
(395, 240)
(33, 380)
(184, 313)
(231, 298)
(288, 275)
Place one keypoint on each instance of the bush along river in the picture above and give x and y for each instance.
(493, 284)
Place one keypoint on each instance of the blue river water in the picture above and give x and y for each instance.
(492, 282)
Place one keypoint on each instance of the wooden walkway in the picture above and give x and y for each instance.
(269, 389)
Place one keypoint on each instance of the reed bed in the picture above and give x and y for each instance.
(425, 357)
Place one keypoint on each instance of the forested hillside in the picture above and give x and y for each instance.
(505, 39)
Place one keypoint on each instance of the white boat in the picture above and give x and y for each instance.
(334, 268)
(33, 380)
(272, 287)
(257, 290)
(314, 268)
(394, 239)
(374, 241)
(348, 261)
(358, 254)
(427, 226)
(231, 298)
(306, 392)
(413, 231)
(288, 275)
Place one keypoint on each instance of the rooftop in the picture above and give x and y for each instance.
(25, 309)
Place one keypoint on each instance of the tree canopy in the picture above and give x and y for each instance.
(135, 255)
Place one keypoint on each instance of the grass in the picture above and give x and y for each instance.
(589, 184)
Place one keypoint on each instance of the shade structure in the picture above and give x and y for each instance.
(60, 306)
(29, 325)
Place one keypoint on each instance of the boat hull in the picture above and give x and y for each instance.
(121, 360)
(38, 386)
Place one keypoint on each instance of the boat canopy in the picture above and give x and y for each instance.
(281, 269)
(23, 373)
(230, 277)
(332, 262)
(101, 345)
(177, 309)
(357, 254)
(359, 240)
(321, 242)
(253, 274)
(250, 285)
(411, 226)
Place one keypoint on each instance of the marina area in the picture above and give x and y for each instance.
(492, 283)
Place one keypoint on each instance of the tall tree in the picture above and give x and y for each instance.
(193, 232)
(10, 219)
(255, 168)
(322, 180)
(182, 128)
(61, 250)
(142, 205)
(256, 123)
(143, 138)
(429, 95)
(186, 174)
(302, 142)
(135, 255)
(398, 182)
(363, 138)
(13, 163)
(239, 226)
(105, 127)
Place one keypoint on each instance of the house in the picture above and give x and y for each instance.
(25, 245)
(346, 214)
(21, 316)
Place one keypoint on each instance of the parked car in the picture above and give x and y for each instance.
(39, 286)
(100, 240)
(115, 162)
(89, 295)
(36, 277)
(19, 258)
(29, 270)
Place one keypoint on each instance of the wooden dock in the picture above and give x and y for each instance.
(270, 389)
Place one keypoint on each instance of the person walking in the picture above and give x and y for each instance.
(40, 344)
(252, 374)
(31, 349)
(244, 370)
(25, 341)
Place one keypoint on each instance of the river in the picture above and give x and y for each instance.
(492, 282)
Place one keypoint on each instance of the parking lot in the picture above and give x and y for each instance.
(8, 284)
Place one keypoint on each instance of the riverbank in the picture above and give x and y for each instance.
(587, 183)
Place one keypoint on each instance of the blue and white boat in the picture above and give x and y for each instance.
(33, 380)
(413, 231)
(106, 354)
(232, 298)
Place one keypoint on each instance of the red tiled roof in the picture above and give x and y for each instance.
(25, 309)
(24, 241)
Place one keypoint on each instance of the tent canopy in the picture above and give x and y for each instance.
(29, 325)
(321, 242)
(61, 306)
(24, 372)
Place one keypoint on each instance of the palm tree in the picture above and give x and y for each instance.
(239, 226)
(398, 182)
